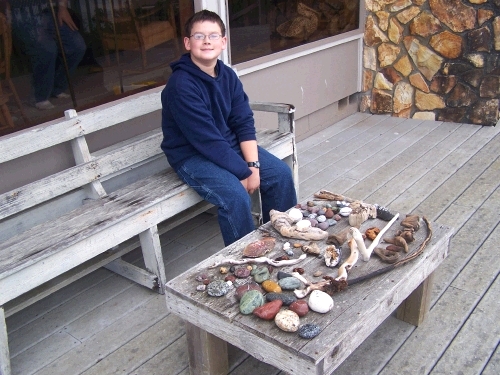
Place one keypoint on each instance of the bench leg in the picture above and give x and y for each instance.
(4, 346)
(414, 309)
(153, 259)
(207, 353)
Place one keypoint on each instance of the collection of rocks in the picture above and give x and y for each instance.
(268, 299)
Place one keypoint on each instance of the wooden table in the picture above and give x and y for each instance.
(213, 321)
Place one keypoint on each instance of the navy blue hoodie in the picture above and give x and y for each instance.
(206, 115)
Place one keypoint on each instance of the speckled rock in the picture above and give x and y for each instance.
(287, 321)
(260, 274)
(217, 288)
(241, 290)
(320, 302)
(299, 307)
(268, 310)
(250, 301)
(289, 283)
(309, 331)
(286, 298)
(271, 286)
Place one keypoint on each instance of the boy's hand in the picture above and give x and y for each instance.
(63, 16)
(253, 182)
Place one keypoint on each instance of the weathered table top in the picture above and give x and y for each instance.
(356, 313)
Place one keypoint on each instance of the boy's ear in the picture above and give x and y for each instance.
(187, 43)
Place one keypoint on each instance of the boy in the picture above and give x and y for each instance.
(209, 133)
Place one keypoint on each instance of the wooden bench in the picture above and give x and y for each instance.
(212, 322)
(108, 202)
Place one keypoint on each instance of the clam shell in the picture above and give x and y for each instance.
(259, 248)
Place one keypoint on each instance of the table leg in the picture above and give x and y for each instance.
(414, 309)
(4, 346)
(207, 353)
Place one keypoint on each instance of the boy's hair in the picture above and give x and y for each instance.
(201, 16)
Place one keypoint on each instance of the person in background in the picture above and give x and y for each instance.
(210, 137)
(34, 29)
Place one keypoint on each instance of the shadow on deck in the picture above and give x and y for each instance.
(104, 324)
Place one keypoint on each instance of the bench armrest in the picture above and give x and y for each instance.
(285, 114)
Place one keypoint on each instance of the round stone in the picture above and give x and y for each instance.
(321, 218)
(295, 214)
(217, 288)
(271, 286)
(329, 213)
(287, 321)
(320, 302)
(250, 301)
(309, 331)
(331, 222)
(286, 298)
(345, 211)
(241, 272)
(282, 275)
(323, 225)
(268, 310)
(201, 287)
(242, 289)
(260, 274)
(299, 307)
(289, 283)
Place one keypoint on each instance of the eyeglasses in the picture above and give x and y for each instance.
(201, 36)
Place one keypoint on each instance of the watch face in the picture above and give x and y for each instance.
(255, 164)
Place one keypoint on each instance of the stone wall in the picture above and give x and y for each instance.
(433, 59)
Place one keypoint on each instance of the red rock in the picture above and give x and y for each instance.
(299, 307)
(269, 310)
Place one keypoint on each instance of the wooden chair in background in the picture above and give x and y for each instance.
(122, 27)
(5, 55)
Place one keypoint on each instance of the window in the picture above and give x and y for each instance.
(259, 28)
(121, 47)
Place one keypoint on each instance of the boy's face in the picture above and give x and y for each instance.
(206, 51)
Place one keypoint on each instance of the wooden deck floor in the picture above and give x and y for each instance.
(104, 324)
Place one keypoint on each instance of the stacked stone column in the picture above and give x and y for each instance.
(433, 59)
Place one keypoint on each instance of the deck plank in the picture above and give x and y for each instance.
(479, 336)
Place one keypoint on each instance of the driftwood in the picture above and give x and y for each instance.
(283, 223)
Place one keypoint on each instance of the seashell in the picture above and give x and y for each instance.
(295, 214)
(259, 248)
(286, 246)
(332, 256)
(312, 248)
(303, 225)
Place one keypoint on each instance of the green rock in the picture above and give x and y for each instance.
(250, 301)
(289, 283)
(261, 274)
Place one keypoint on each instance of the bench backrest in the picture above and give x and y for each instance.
(91, 170)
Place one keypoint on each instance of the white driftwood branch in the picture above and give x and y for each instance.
(355, 234)
(377, 239)
(272, 262)
(350, 262)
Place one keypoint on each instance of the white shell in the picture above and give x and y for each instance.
(345, 211)
(303, 225)
(286, 246)
(295, 214)
(320, 302)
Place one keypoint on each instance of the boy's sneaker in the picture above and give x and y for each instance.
(63, 95)
(44, 105)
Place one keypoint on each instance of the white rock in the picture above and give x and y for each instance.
(303, 225)
(287, 320)
(345, 211)
(320, 302)
(295, 214)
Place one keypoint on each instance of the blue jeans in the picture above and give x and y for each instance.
(36, 34)
(223, 189)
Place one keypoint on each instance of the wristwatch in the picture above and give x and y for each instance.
(254, 164)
